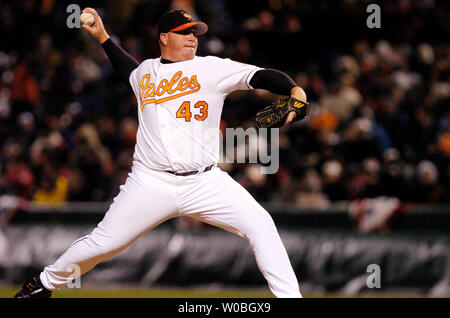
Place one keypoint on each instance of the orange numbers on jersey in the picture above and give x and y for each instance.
(185, 111)
(203, 110)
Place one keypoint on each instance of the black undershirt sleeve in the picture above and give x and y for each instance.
(122, 62)
(274, 81)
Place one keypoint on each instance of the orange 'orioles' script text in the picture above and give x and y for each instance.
(178, 86)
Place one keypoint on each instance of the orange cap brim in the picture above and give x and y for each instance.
(201, 27)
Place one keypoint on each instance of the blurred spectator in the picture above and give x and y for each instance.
(51, 187)
(256, 182)
(310, 195)
(426, 186)
(19, 178)
(334, 187)
(91, 157)
(25, 95)
(358, 141)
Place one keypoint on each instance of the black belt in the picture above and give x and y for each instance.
(190, 173)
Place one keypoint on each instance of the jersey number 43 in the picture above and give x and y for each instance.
(185, 111)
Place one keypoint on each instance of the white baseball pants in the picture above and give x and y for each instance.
(151, 197)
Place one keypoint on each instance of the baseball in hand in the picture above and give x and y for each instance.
(87, 18)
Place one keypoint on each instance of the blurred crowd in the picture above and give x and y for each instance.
(379, 124)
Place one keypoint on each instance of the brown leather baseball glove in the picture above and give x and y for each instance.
(275, 114)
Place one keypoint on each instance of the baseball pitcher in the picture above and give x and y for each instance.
(180, 97)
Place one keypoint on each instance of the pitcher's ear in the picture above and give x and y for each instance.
(163, 38)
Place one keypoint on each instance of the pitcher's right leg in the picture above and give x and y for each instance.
(137, 209)
(221, 201)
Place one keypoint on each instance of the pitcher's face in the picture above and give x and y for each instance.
(180, 44)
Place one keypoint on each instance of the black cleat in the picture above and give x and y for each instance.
(33, 288)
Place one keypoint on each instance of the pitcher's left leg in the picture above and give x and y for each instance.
(220, 201)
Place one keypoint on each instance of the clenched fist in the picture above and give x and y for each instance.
(97, 30)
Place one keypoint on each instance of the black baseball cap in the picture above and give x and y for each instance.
(178, 20)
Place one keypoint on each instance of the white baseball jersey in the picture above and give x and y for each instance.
(180, 105)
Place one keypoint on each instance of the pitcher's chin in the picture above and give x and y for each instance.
(189, 53)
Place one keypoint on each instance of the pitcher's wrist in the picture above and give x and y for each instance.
(298, 93)
(102, 39)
